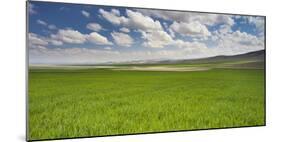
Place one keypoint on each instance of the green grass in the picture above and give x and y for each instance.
(93, 102)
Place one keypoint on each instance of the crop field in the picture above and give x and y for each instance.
(83, 102)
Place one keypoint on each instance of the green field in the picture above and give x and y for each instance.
(93, 102)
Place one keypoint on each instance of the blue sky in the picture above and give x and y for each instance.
(62, 33)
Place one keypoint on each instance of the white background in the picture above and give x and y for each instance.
(12, 76)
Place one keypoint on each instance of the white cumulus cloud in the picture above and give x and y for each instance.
(156, 39)
(134, 20)
(41, 22)
(36, 40)
(182, 16)
(85, 13)
(69, 36)
(122, 39)
(49, 26)
(31, 8)
(52, 27)
(113, 16)
(94, 27)
(236, 43)
(98, 39)
(141, 22)
(125, 30)
(192, 29)
(55, 42)
(258, 22)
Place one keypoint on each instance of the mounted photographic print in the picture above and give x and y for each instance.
(98, 70)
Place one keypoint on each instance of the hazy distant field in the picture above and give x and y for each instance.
(81, 102)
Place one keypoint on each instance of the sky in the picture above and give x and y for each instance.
(61, 33)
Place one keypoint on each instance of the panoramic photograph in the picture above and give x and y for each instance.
(104, 70)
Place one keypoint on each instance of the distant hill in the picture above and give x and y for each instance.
(253, 56)
(257, 56)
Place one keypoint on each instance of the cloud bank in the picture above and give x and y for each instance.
(126, 34)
